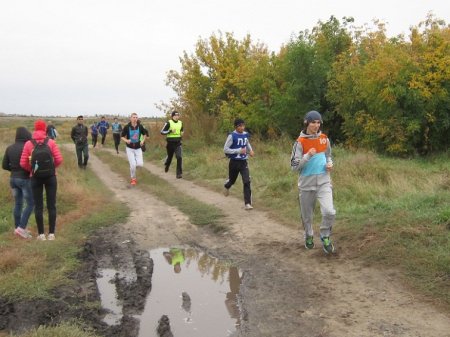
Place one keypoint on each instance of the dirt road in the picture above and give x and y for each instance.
(286, 290)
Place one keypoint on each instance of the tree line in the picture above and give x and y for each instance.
(386, 94)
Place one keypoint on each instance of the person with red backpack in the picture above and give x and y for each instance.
(41, 157)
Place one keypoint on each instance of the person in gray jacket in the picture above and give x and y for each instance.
(311, 157)
(20, 182)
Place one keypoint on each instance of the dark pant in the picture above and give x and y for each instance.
(82, 154)
(103, 138)
(37, 187)
(234, 168)
(94, 140)
(116, 137)
(174, 148)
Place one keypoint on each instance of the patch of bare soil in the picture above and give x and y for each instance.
(285, 291)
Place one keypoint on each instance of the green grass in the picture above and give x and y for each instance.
(198, 212)
(63, 330)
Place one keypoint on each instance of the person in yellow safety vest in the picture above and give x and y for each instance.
(173, 130)
(175, 257)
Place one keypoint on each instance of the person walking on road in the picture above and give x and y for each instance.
(173, 130)
(103, 127)
(116, 128)
(131, 135)
(94, 134)
(41, 157)
(19, 182)
(79, 137)
(237, 147)
(311, 158)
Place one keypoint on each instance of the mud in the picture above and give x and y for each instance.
(285, 290)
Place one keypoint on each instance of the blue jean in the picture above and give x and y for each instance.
(21, 189)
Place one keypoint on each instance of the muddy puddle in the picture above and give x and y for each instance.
(198, 294)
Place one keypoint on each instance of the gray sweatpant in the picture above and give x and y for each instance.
(324, 195)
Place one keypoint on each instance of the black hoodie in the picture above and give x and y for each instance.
(11, 159)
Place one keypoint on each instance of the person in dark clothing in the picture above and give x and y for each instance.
(20, 182)
(237, 147)
(94, 134)
(173, 130)
(39, 183)
(116, 128)
(51, 130)
(103, 127)
(79, 136)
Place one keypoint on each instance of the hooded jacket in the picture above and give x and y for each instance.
(11, 159)
(39, 136)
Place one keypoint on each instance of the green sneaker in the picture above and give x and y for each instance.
(309, 242)
(328, 247)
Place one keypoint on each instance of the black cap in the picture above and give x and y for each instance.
(238, 121)
(175, 113)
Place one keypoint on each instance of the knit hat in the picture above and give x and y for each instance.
(40, 125)
(312, 116)
(175, 113)
(238, 121)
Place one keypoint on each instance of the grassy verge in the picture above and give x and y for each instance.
(63, 330)
(198, 212)
(392, 212)
(30, 269)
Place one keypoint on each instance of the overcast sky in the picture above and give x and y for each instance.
(109, 56)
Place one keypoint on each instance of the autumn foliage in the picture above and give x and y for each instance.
(390, 95)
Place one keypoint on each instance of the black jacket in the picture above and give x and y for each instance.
(79, 134)
(11, 159)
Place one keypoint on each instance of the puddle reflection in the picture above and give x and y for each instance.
(196, 291)
(108, 296)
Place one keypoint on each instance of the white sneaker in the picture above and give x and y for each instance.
(226, 191)
(41, 237)
(21, 232)
(248, 207)
(51, 237)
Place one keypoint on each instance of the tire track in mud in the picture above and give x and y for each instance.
(286, 290)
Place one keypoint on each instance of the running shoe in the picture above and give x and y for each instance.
(309, 242)
(328, 247)
(133, 181)
(51, 237)
(248, 207)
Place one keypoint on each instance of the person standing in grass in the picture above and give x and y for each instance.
(237, 147)
(116, 128)
(79, 136)
(19, 182)
(51, 130)
(173, 130)
(311, 157)
(131, 135)
(43, 175)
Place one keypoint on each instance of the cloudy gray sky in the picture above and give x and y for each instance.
(109, 56)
